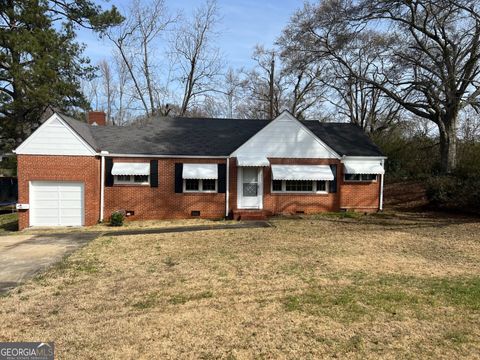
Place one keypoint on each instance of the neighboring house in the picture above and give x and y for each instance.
(72, 173)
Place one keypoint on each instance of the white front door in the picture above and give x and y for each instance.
(250, 188)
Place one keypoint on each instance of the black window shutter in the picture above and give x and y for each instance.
(108, 172)
(178, 178)
(222, 178)
(153, 173)
(333, 183)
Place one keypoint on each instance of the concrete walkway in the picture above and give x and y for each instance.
(174, 229)
(24, 256)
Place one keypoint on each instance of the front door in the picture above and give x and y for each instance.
(250, 190)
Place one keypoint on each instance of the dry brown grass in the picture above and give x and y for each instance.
(372, 287)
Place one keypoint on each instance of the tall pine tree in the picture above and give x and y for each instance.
(41, 63)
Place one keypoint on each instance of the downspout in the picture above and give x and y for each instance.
(102, 183)
(227, 188)
(381, 186)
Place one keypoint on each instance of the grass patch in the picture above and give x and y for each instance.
(393, 295)
(147, 302)
(457, 336)
(351, 303)
(180, 299)
(8, 223)
(170, 262)
(341, 215)
(457, 291)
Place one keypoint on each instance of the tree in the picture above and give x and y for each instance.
(108, 87)
(136, 41)
(306, 89)
(233, 85)
(263, 86)
(428, 53)
(41, 65)
(199, 62)
(124, 99)
(353, 98)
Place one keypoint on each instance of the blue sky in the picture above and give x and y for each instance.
(244, 24)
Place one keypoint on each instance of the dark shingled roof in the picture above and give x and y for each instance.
(345, 138)
(209, 137)
(178, 136)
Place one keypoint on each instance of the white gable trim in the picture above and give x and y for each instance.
(21, 149)
(286, 116)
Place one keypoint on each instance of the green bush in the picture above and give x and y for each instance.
(117, 218)
(455, 192)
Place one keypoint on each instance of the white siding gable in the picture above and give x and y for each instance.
(54, 137)
(285, 137)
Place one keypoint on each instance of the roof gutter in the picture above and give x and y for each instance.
(164, 156)
(227, 188)
(347, 157)
(102, 183)
(381, 187)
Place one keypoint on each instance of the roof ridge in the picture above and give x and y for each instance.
(213, 118)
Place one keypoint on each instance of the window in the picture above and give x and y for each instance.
(321, 186)
(361, 177)
(192, 185)
(123, 178)
(132, 179)
(277, 185)
(199, 185)
(209, 185)
(295, 185)
(140, 179)
(299, 186)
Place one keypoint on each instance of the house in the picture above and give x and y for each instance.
(71, 173)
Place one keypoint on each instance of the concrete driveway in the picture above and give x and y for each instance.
(23, 256)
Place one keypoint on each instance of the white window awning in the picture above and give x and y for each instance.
(130, 168)
(200, 171)
(252, 161)
(302, 172)
(363, 167)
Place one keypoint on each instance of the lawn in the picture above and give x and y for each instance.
(386, 286)
(8, 223)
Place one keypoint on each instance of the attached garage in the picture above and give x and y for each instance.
(56, 203)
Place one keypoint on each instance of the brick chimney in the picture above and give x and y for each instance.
(97, 118)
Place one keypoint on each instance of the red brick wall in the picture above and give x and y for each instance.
(360, 196)
(84, 169)
(354, 196)
(288, 203)
(162, 202)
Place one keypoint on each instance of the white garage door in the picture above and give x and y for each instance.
(56, 203)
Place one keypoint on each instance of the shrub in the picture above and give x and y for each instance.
(116, 219)
(455, 192)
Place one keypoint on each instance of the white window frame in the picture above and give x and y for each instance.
(361, 178)
(200, 186)
(131, 181)
(314, 188)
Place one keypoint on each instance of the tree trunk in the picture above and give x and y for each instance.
(448, 147)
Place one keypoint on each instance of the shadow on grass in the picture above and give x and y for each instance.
(8, 223)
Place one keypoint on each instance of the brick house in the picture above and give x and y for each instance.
(72, 173)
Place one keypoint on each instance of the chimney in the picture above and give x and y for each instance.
(97, 118)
